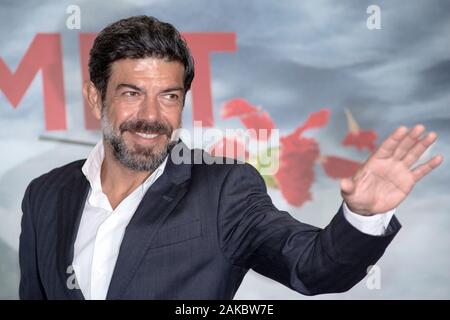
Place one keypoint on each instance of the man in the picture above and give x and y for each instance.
(131, 223)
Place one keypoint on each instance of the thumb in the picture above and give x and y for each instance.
(347, 185)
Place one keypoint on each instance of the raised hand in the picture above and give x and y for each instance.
(388, 176)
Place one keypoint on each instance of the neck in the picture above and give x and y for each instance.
(117, 180)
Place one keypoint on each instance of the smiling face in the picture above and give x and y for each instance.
(142, 107)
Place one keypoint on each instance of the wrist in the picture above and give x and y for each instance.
(358, 210)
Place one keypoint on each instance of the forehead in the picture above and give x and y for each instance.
(147, 69)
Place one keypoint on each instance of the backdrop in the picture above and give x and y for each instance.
(339, 76)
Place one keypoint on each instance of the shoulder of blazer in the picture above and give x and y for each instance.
(59, 177)
(216, 168)
(48, 185)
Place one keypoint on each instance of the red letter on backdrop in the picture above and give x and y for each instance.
(43, 54)
(201, 44)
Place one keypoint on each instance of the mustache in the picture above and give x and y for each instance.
(147, 127)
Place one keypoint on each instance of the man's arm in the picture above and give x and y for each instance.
(253, 233)
(30, 284)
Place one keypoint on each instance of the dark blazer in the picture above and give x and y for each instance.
(195, 234)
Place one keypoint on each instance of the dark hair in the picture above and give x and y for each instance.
(135, 38)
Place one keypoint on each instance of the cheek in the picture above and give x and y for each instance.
(119, 115)
(174, 118)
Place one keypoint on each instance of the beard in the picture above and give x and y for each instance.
(134, 156)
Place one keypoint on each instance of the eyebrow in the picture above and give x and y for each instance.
(134, 87)
(130, 86)
(172, 89)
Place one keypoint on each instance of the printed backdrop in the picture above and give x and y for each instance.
(334, 77)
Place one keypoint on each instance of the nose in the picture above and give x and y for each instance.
(149, 109)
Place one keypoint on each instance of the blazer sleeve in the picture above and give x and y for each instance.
(30, 286)
(253, 233)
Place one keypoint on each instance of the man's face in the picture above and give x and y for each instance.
(142, 108)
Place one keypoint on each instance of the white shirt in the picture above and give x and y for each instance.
(102, 229)
(374, 225)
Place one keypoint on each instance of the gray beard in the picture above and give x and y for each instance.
(140, 159)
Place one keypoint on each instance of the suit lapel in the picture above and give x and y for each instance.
(159, 201)
(70, 207)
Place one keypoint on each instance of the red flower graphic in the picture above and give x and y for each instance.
(258, 121)
(315, 120)
(361, 139)
(236, 107)
(339, 168)
(250, 116)
(295, 175)
(298, 155)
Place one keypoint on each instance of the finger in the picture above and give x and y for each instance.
(408, 142)
(347, 186)
(388, 146)
(419, 148)
(422, 170)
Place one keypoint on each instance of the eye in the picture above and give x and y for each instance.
(172, 96)
(130, 94)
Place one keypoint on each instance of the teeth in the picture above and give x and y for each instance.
(147, 136)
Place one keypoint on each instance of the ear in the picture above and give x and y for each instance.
(94, 98)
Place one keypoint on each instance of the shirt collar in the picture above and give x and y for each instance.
(92, 168)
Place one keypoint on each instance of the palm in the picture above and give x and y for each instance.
(386, 178)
